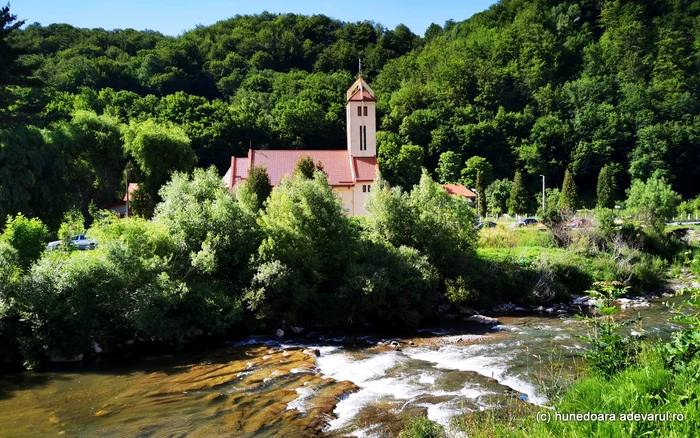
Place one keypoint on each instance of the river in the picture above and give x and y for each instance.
(332, 384)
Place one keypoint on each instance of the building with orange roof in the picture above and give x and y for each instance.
(351, 172)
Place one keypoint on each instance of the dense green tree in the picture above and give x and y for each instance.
(158, 150)
(93, 148)
(654, 201)
(449, 167)
(497, 196)
(472, 167)
(27, 237)
(32, 176)
(428, 219)
(517, 202)
(302, 216)
(606, 188)
(569, 194)
(207, 224)
(400, 165)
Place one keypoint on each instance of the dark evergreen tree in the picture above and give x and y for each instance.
(606, 188)
(305, 167)
(569, 193)
(259, 183)
(13, 71)
(517, 204)
(481, 198)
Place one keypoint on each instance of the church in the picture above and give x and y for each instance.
(351, 172)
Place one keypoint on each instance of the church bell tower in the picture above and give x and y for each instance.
(361, 119)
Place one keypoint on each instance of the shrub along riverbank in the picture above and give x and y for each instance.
(213, 262)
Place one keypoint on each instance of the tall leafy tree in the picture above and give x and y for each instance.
(159, 150)
(474, 166)
(568, 199)
(653, 201)
(498, 196)
(517, 203)
(449, 167)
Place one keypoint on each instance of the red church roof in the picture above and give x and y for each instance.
(366, 96)
(458, 189)
(342, 169)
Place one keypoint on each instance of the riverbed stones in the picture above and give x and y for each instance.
(279, 333)
(297, 330)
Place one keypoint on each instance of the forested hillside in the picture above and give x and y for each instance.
(540, 86)
(533, 86)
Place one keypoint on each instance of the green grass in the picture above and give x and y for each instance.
(647, 388)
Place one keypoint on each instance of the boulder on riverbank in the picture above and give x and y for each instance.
(481, 319)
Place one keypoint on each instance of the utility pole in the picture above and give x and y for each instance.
(127, 190)
(542, 193)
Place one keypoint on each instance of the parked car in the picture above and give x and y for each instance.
(524, 223)
(79, 242)
(481, 225)
(578, 223)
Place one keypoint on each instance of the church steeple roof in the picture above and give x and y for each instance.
(360, 86)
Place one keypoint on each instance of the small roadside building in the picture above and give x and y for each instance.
(460, 190)
(120, 207)
(352, 172)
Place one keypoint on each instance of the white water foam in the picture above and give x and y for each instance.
(476, 358)
(301, 402)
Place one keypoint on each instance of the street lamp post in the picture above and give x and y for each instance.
(542, 193)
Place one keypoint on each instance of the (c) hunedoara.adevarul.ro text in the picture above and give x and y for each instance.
(546, 417)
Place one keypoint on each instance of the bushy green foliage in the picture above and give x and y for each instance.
(654, 201)
(472, 167)
(481, 195)
(208, 225)
(497, 195)
(303, 217)
(158, 150)
(26, 236)
(388, 285)
(610, 352)
(421, 427)
(73, 223)
(428, 219)
(684, 345)
(449, 167)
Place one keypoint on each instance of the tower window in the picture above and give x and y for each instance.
(365, 110)
(364, 130)
(361, 145)
(364, 188)
(359, 110)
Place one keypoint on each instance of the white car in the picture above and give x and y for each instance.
(79, 242)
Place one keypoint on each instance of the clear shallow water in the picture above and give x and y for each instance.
(262, 386)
